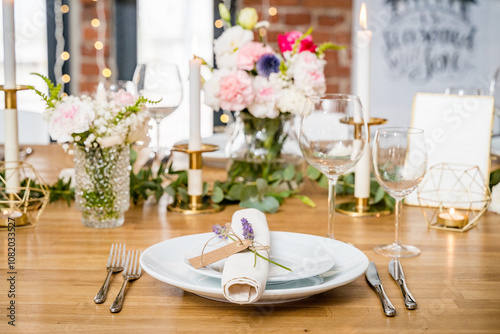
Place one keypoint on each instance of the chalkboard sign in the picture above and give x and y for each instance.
(428, 46)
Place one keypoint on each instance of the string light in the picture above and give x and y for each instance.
(224, 118)
(98, 45)
(273, 11)
(218, 23)
(64, 9)
(95, 23)
(66, 78)
(106, 72)
(65, 55)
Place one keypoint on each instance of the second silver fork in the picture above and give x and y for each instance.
(116, 262)
(131, 272)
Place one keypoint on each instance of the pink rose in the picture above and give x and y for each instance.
(123, 98)
(236, 91)
(249, 53)
(287, 41)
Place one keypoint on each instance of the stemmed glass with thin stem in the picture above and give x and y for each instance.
(400, 163)
(332, 137)
(159, 82)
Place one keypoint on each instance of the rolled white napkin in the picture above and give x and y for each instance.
(242, 282)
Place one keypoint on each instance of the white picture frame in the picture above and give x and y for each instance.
(457, 131)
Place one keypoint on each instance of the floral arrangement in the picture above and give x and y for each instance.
(109, 119)
(252, 77)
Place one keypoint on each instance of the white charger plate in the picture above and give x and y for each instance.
(165, 262)
(304, 258)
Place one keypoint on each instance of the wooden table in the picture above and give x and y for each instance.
(60, 266)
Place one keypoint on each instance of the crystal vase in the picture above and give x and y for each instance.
(261, 146)
(102, 177)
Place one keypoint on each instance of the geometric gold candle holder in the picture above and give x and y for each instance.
(27, 204)
(453, 197)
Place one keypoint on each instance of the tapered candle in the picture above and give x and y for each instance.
(10, 113)
(362, 55)
(195, 184)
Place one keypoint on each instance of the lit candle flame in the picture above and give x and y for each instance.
(452, 211)
(362, 17)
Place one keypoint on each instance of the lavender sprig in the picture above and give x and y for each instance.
(248, 234)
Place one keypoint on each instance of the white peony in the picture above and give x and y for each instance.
(72, 115)
(264, 105)
(226, 46)
(211, 88)
(495, 199)
(308, 73)
(291, 100)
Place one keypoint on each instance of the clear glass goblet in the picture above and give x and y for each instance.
(159, 82)
(400, 163)
(332, 137)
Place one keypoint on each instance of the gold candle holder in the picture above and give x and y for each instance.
(9, 212)
(196, 204)
(361, 206)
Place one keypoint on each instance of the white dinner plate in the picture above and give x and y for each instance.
(165, 262)
(302, 256)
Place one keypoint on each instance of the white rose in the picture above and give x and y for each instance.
(495, 199)
(226, 46)
(71, 116)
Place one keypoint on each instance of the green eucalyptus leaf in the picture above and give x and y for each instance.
(494, 178)
(218, 195)
(306, 200)
(234, 192)
(261, 186)
(379, 195)
(313, 173)
(323, 181)
(248, 192)
(289, 173)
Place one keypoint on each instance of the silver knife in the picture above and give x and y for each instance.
(396, 271)
(374, 280)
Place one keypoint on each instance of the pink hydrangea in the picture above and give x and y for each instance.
(236, 91)
(287, 41)
(249, 53)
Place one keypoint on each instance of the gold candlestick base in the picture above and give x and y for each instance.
(196, 204)
(361, 208)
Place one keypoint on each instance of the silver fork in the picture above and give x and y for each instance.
(116, 261)
(131, 272)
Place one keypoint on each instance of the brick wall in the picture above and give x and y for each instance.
(331, 21)
(90, 71)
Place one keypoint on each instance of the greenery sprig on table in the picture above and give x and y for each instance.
(345, 186)
(265, 195)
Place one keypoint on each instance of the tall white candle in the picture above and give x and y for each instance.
(362, 54)
(195, 183)
(10, 115)
(194, 104)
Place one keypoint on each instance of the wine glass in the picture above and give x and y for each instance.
(159, 82)
(400, 163)
(332, 137)
(495, 90)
